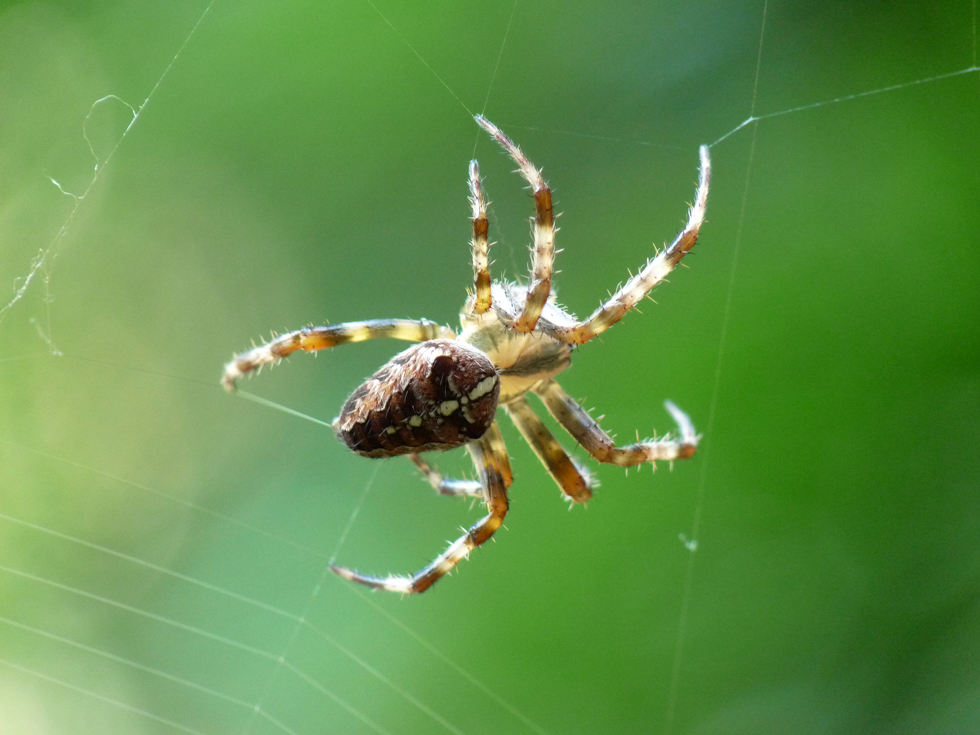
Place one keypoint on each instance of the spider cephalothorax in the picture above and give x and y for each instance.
(444, 392)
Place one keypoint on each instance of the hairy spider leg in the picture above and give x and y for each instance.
(495, 489)
(573, 481)
(318, 338)
(480, 245)
(586, 431)
(543, 252)
(655, 270)
(447, 485)
(469, 488)
(498, 453)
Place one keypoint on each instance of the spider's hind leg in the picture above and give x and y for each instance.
(574, 480)
(468, 488)
(584, 429)
(495, 493)
(446, 485)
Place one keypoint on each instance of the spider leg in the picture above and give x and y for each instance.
(479, 244)
(498, 453)
(474, 488)
(655, 270)
(495, 489)
(543, 252)
(318, 338)
(584, 429)
(574, 481)
(446, 485)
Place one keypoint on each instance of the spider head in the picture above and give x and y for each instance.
(439, 394)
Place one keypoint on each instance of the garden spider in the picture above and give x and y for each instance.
(444, 392)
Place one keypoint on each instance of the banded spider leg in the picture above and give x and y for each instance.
(488, 462)
(312, 339)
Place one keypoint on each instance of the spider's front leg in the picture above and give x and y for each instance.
(655, 270)
(318, 338)
(543, 254)
(480, 244)
(494, 484)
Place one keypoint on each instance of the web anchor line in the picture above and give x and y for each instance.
(845, 98)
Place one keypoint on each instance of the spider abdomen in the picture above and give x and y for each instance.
(436, 395)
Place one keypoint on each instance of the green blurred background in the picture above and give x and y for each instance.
(163, 544)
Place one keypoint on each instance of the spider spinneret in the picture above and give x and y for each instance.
(444, 391)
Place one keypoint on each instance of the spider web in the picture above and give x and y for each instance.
(163, 547)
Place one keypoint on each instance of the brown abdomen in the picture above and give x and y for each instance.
(435, 395)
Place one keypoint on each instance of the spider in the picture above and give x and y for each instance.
(444, 392)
